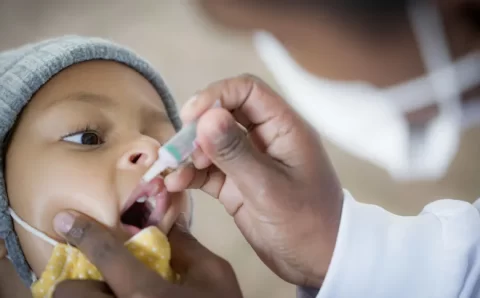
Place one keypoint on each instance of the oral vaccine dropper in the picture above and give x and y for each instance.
(176, 150)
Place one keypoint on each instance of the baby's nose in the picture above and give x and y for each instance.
(141, 155)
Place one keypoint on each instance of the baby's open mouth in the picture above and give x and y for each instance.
(139, 213)
(145, 207)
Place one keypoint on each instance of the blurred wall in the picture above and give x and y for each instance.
(189, 53)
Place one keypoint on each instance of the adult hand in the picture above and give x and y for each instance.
(276, 180)
(203, 274)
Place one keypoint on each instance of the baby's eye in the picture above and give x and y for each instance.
(89, 138)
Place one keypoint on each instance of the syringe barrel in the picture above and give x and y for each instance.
(182, 145)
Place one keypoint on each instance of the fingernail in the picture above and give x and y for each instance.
(63, 222)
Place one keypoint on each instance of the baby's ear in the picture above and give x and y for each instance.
(3, 249)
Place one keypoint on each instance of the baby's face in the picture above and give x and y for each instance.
(83, 143)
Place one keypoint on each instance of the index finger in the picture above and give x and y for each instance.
(256, 101)
(119, 268)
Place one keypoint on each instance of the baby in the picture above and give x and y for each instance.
(81, 120)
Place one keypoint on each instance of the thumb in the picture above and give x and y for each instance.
(229, 148)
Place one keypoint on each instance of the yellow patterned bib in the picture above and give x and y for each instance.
(150, 246)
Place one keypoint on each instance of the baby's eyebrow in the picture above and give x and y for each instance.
(86, 97)
(149, 114)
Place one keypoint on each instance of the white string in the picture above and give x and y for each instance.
(429, 31)
(31, 229)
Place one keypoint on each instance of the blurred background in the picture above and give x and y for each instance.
(192, 48)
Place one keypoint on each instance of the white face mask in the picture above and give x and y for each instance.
(369, 122)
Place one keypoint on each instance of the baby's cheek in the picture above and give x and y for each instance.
(37, 252)
(53, 200)
(36, 207)
(91, 195)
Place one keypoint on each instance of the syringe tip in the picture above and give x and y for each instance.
(154, 170)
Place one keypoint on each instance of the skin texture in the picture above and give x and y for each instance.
(47, 173)
(276, 182)
(343, 47)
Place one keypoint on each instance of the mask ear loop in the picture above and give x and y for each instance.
(440, 71)
(441, 78)
(31, 229)
(35, 232)
(429, 31)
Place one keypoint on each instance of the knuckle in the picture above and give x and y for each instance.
(231, 148)
(255, 83)
(258, 89)
(251, 81)
(251, 84)
(250, 77)
(285, 122)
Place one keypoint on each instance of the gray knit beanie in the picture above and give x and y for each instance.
(24, 70)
